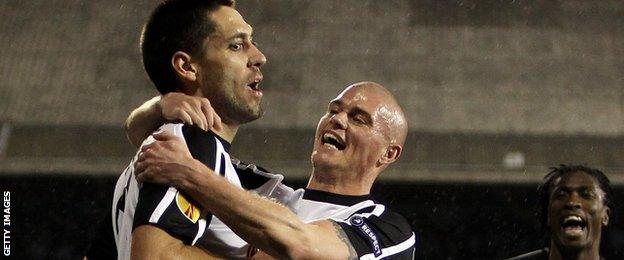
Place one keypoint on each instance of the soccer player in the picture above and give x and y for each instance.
(335, 217)
(576, 202)
(201, 48)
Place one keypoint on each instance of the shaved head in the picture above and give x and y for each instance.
(389, 109)
(361, 134)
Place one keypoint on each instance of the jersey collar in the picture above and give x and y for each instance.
(334, 198)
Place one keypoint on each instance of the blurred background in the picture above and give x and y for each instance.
(496, 92)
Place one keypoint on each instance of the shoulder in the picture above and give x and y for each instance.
(395, 219)
(253, 176)
(189, 133)
(382, 216)
(386, 220)
(266, 184)
(175, 129)
(379, 232)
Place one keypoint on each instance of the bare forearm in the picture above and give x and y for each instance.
(263, 223)
(143, 121)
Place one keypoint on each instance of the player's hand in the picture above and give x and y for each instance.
(167, 160)
(190, 110)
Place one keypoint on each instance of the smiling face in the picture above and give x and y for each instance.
(577, 212)
(357, 132)
(229, 68)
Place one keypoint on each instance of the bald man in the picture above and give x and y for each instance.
(335, 217)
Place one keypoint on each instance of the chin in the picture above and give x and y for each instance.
(321, 160)
(575, 245)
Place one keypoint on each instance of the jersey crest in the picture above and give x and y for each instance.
(187, 208)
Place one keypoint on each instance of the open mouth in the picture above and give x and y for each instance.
(255, 86)
(334, 141)
(573, 225)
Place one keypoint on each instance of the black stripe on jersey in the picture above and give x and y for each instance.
(129, 174)
(248, 175)
(222, 170)
(119, 208)
(323, 196)
(149, 197)
(203, 147)
(373, 233)
(200, 141)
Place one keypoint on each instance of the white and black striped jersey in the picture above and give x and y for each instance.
(374, 231)
(136, 204)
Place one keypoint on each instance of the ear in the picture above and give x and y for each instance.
(605, 216)
(392, 153)
(183, 67)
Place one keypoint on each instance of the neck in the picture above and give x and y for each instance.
(588, 253)
(228, 132)
(339, 183)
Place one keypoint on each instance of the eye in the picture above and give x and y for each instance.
(359, 119)
(559, 195)
(236, 46)
(587, 194)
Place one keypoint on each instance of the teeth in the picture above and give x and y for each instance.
(573, 221)
(327, 137)
(331, 140)
(572, 218)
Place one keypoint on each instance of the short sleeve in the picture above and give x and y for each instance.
(170, 209)
(387, 236)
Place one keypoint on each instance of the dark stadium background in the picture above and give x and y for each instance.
(496, 92)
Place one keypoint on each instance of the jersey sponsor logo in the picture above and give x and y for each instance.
(358, 222)
(190, 211)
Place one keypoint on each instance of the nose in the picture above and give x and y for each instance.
(256, 57)
(339, 120)
(573, 202)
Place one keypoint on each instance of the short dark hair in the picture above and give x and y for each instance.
(560, 171)
(175, 25)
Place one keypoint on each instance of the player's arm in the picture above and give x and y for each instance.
(150, 242)
(265, 224)
(170, 107)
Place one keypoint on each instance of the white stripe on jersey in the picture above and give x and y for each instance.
(163, 204)
(377, 211)
(200, 231)
(219, 152)
(388, 251)
(311, 210)
(232, 178)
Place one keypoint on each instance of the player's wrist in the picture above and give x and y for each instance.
(159, 109)
(189, 179)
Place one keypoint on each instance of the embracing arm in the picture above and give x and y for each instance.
(265, 224)
(143, 120)
(170, 107)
